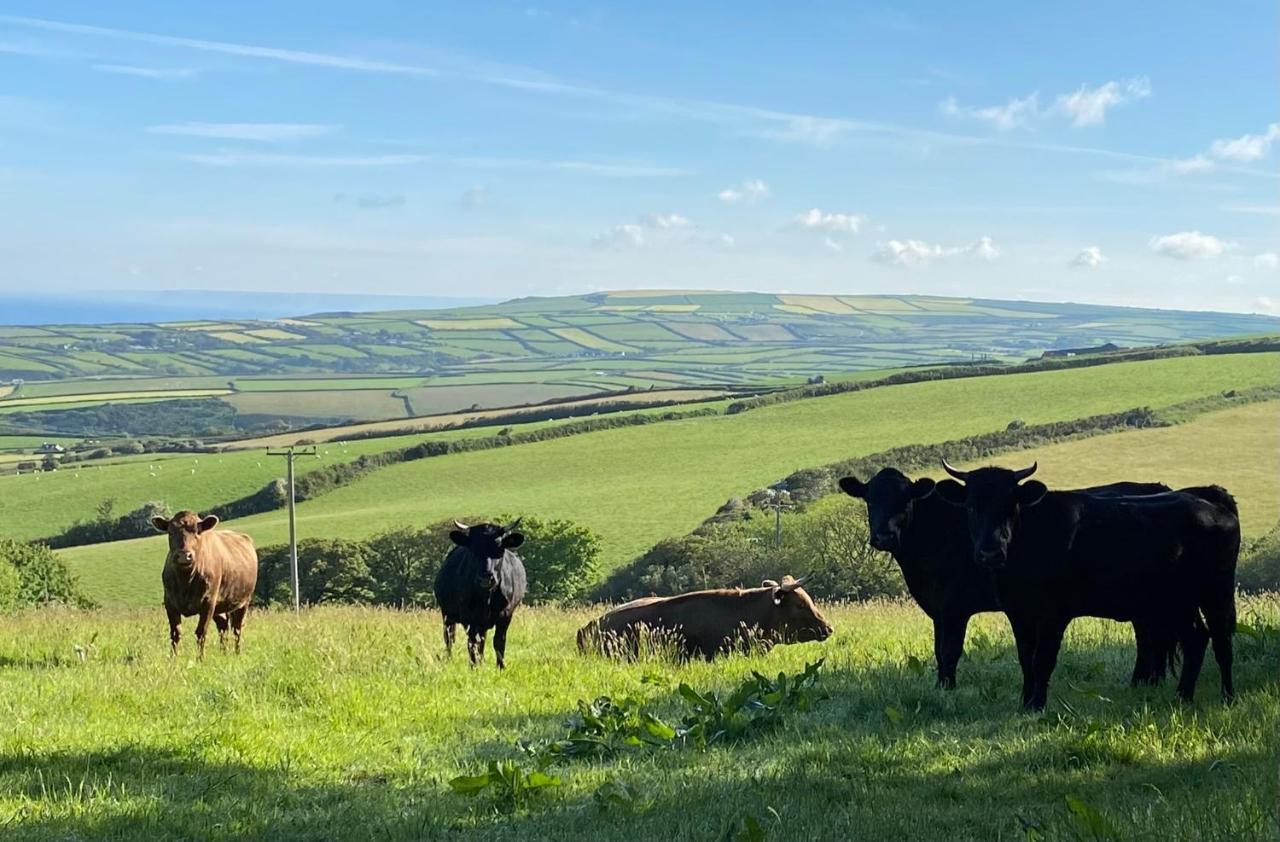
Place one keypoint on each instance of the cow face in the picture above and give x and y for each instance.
(795, 618)
(488, 544)
(890, 497)
(993, 499)
(184, 530)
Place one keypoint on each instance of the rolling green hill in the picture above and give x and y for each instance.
(635, 486)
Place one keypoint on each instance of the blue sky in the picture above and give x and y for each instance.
(1116, 153)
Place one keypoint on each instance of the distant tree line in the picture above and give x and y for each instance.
(398, 568)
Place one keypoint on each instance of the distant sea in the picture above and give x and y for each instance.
(106, 306)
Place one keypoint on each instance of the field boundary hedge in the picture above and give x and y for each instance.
(962, 370)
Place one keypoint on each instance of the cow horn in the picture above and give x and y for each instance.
(460, 526)
(794, 583)
(769, 583)
(1025, 472)
(515, 523)
(955, 472)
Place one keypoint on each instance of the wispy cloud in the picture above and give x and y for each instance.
(782, 126)
(161, 73)
(827, 222)
(1248, 148)
(918, 253)
(265, 159)
(1016, 113)
(749, 191)
(1089, 106)
(264, 132)
(1267, 260)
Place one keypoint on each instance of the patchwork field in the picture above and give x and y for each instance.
(349, 723)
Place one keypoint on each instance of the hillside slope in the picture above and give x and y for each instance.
(635, 486)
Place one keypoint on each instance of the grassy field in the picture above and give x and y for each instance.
(1235, 448)
(348, 723)
(635, 486)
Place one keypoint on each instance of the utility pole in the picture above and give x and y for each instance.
(779, 499)
(290, 453)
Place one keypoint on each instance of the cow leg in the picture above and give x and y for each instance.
(1152, 661)
(220, 620)
(202, 627)
(1221, 619)
(1193, 638)
(449, 629)
(475, 644)
(948, 647)
(1048, 643)
(175, 629)
(237, 624)
(500, 641)
(1024, 636)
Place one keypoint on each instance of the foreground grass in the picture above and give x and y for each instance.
(348, 723)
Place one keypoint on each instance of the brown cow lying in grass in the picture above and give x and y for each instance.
(206, 574)
(710, 623)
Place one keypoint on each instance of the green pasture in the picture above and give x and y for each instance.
(348, 723)
(634, 486)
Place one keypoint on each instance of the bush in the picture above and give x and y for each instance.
(9, 585)
(826, 541)
(398, 568)
(107, 527)
(43, 577)
(1259, 568)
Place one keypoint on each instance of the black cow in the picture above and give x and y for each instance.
(1167, 561)
(480, 585)
(929, 539)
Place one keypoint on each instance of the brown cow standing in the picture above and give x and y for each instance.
(206, 574)
(710, 623)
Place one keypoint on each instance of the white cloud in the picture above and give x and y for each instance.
(1247, 148)
(245, 159)
(1188, 245)
(832, 244)
(1267, 260)
(621, 236)
(1016, 113)
(265, 132)
(748, 191)
(662, 221)
(1090, 257)
(1089, 106)
(832, 223)
(1190, 166)
(162, 73)
(918, 253)
(1085, 107)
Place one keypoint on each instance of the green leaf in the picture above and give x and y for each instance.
(893, 714)
(541, 780)
(657, 728)
(693, 696)
(470, 784)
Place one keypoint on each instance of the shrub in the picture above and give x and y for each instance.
(9, 585)
(43, 577)
(328, 571)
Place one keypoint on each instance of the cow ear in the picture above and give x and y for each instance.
(161, 524)
(853, 486)
(512, 540)
(208, 523)
(922, 487)
(1031, 492)
(458, 537)
(951, 492)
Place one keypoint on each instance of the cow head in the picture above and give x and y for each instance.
(993, 499)
(184, 530)
(795, 619)
(890, 497)
(488, 544)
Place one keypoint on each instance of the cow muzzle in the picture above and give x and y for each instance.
(993, 559)
(885, 542)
